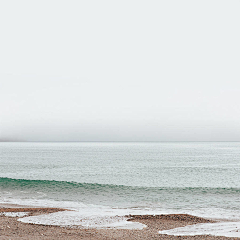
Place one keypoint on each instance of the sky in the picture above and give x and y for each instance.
(130, 70)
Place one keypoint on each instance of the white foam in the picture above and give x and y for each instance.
(43, 203)
(214, 213)
(101, 218)
(14, 214)
(88, 215)
(227, 229)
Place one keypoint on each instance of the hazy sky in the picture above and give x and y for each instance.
(120, 70)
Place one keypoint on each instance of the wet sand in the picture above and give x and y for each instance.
(11, 228)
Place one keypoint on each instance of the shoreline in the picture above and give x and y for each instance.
(11, 228)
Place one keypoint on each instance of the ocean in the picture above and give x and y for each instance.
(103, 181)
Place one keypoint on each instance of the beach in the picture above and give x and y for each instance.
(119, 190)
(11, 228)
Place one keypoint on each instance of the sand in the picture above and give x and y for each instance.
(11, 228)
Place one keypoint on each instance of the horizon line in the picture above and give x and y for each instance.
(110, 141)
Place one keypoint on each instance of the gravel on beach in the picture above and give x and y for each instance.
(11, 228)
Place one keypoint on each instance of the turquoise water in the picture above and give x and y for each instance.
(194, 177)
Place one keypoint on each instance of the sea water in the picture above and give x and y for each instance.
(103, 181)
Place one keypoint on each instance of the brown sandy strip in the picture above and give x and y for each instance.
(32, 211)
(10, 228)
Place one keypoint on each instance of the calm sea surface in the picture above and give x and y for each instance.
(200, 178)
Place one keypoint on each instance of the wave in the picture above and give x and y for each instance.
(12, 183)
(120, 195)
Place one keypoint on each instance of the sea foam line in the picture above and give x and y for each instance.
(86, 219)
(227, 229)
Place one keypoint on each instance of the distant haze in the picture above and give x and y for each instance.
(120, 70)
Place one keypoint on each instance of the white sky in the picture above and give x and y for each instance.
(120, 70)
